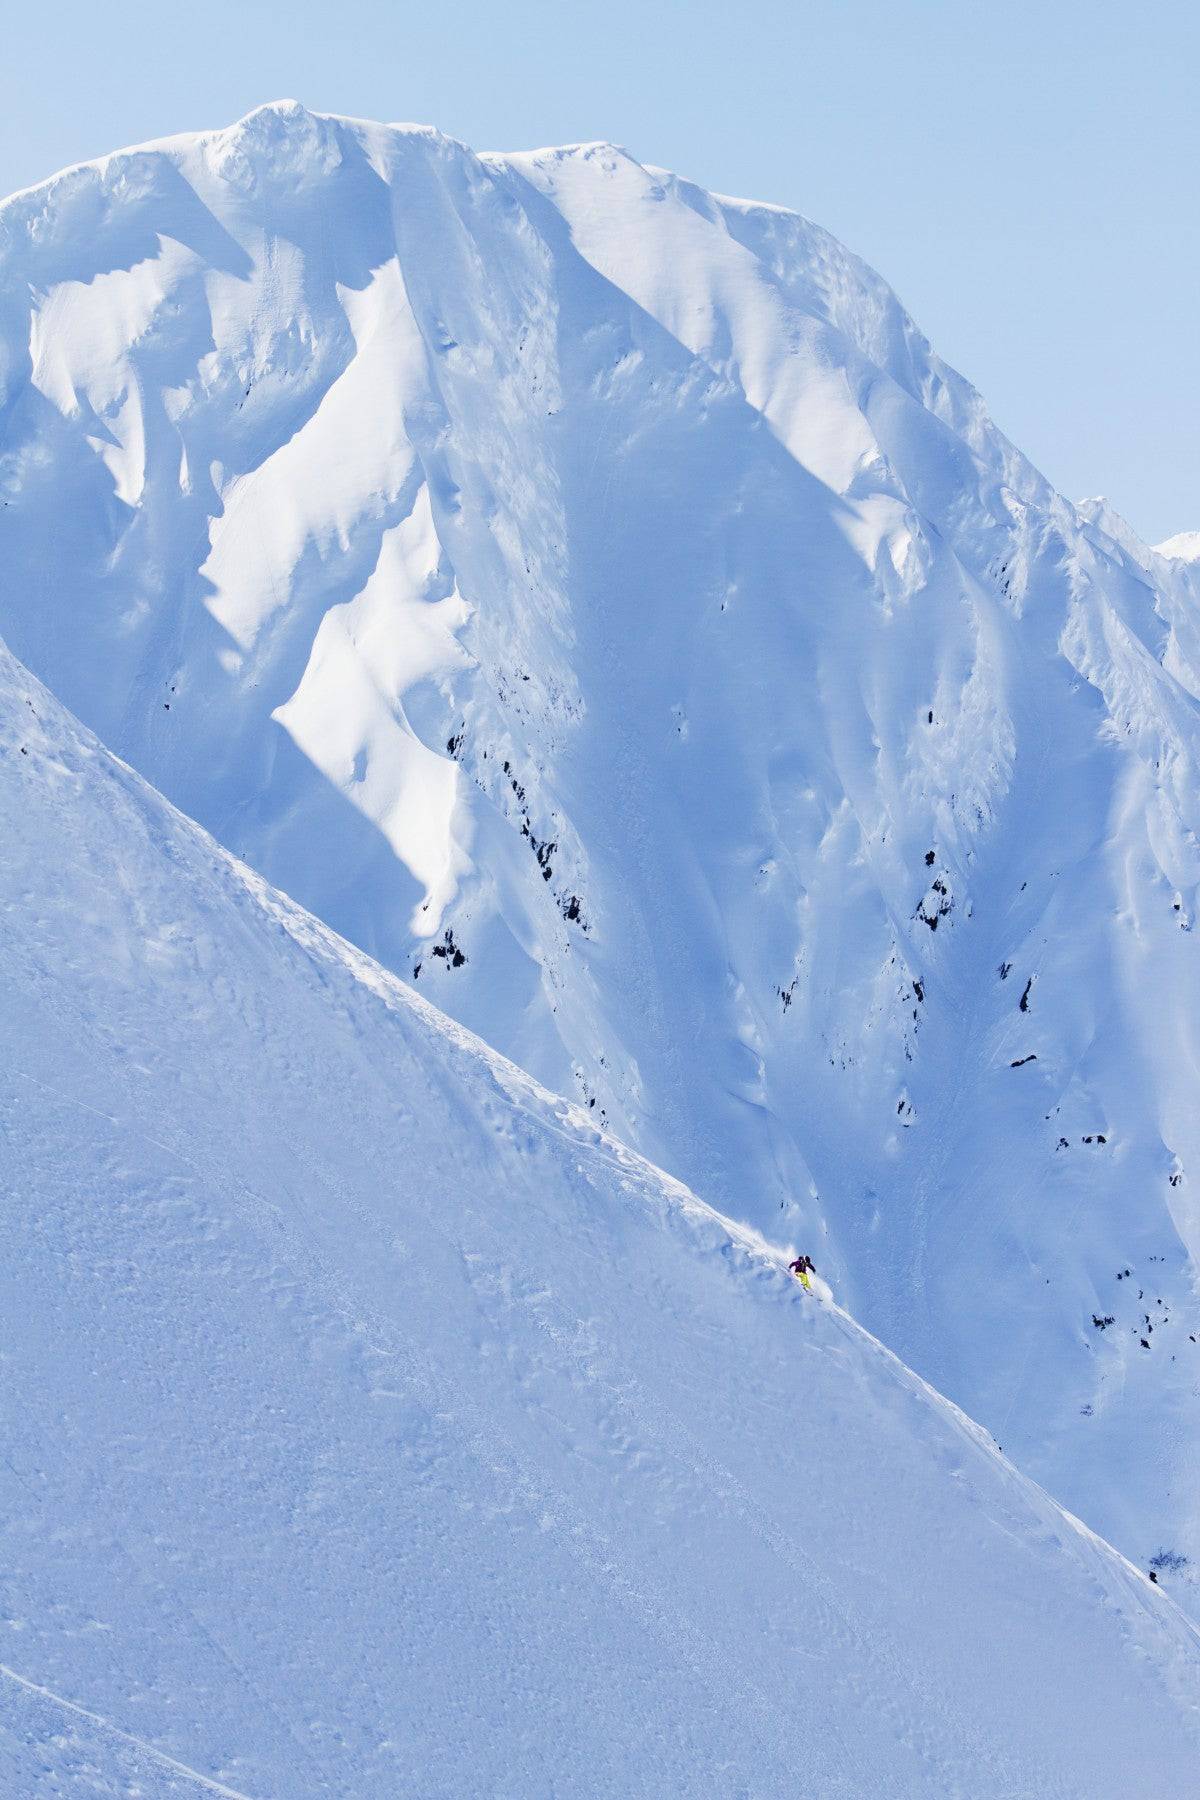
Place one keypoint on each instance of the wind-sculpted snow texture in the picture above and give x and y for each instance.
(595, 600)
(374, 1424)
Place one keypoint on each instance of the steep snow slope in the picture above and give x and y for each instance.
(375, 1425)
(594, 599)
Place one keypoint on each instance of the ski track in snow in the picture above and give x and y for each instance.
(106, 1725)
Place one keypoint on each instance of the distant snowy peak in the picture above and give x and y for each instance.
(596, 600)
(1184, 546)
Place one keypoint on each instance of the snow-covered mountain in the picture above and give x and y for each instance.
(594, 599)
(1185, 545)
(375, 1425)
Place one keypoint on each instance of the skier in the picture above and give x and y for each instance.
(801, 1269)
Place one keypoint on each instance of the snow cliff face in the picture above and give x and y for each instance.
(375, 1425)
(594, 599)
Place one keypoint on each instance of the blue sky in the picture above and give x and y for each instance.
(1024, 175)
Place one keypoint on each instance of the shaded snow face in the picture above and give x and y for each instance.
(593, 598)
(375, 1425)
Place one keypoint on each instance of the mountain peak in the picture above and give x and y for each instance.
(1185, 546)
